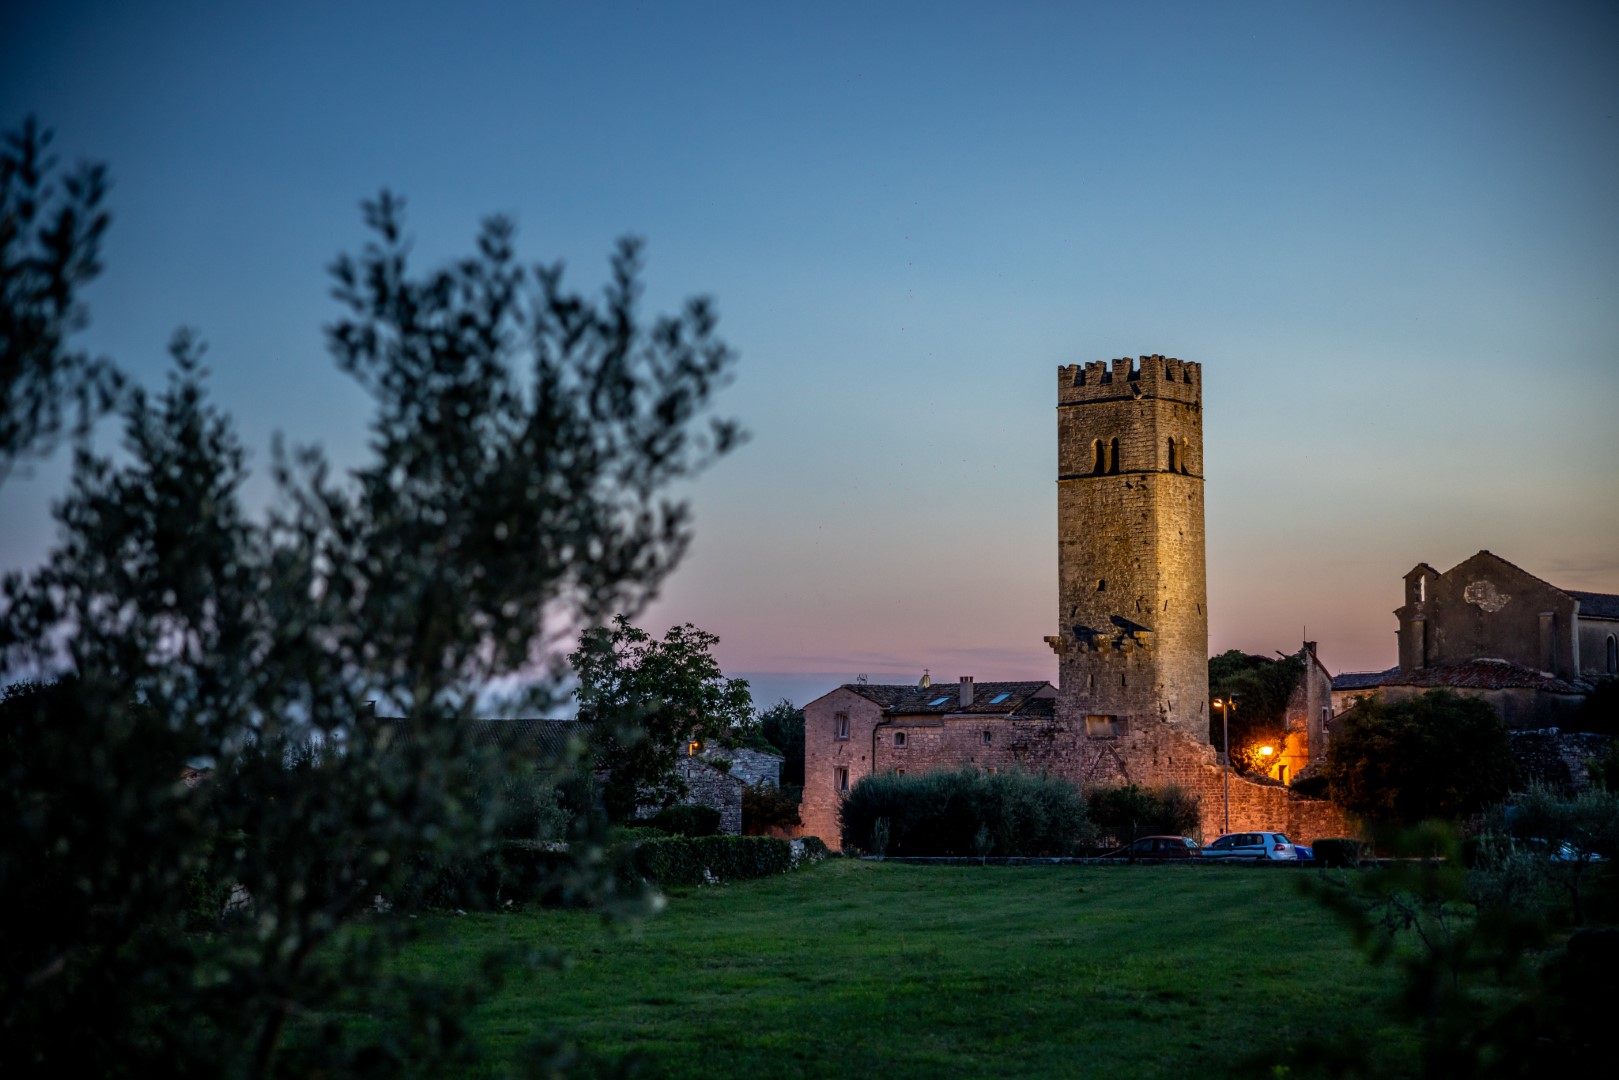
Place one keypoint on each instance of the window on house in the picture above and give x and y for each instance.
(840, 725)
(1326, 716)
(1106, 727)
(899, 738)
(989, 736)
(899, 772)
(998, 698)
(939, 701)
(840, 778)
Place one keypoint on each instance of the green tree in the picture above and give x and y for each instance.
(522, 444)
(782, 726)
(1261, 688)
(670, 692)
(1438, 755)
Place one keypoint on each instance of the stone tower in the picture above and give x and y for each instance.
(1132, 597)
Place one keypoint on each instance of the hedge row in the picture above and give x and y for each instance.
(964, 813)
(685, 860)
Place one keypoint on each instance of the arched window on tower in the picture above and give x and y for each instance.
(1185, 454)
(1171, 453)
(1113, 456)
(1101, 458)
(1613, 655)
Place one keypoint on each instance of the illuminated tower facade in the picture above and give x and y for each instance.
(1132, 613)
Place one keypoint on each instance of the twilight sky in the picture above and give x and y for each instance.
(1388, 232)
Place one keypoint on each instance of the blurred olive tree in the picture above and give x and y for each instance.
(315, 664)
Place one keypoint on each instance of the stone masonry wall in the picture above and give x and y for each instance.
(1153, 756)
(825, 753)
(1132, 636)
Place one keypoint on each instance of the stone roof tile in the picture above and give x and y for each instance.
(1483, 675)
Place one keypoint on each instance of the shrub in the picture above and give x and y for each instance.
(1336, 851)
(814, 848)
(1439, 755)
(1125, 813)
(766, 806)
(1313, 786)
(964, 813)
(687, 820)
(694, 860)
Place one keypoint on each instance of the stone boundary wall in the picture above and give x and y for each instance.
(1154, 756)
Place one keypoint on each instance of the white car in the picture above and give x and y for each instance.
(1252, 846)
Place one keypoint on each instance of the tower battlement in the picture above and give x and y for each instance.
(1126, 377)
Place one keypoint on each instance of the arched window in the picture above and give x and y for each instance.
(1172, 454)
(1101, 458)
(1185, 463)
(1113, 456)
(1613, 655)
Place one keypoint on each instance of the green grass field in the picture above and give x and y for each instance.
(859, 968)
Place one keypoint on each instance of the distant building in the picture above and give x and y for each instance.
(860, 729)
(1489, 629)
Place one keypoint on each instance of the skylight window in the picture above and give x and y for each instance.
(939, 700)
(998, 698)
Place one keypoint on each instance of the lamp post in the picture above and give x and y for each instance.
(1226, 707)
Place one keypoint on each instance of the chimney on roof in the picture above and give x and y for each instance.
(966, 691)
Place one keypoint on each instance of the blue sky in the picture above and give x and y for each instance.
(1390, 233)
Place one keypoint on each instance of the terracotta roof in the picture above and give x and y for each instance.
(1596, 605)
(1362, 680)
(1483, 675)
(945, 698)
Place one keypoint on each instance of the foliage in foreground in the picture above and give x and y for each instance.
(1506, 946)
(963, 813)
(1434, 756)
(498, 512)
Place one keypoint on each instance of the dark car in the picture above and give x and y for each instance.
(1157, 848)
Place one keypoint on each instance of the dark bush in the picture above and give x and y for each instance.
(814, 847)
(1121, 814)
(1337, 851)
(963, 813)
(693, 860)
(1311, 787)
(766, 806)
(687, 820)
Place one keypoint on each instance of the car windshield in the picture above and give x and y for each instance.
(1280, 839)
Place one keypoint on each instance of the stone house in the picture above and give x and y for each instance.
(1489, 629)
(861, 729)
(1308, 718)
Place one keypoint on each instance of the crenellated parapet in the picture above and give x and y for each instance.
(1125, 377)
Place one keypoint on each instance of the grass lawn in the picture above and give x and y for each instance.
(859, 968)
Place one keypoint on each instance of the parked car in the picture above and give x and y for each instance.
(1156, 848)
(1252, 846)
(1305, 854)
